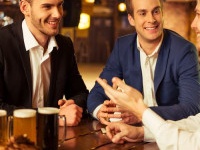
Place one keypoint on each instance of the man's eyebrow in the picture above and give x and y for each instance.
(143, 10)
(158, 7)
(50, 4)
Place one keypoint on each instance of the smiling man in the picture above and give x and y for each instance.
(158, 62)
(37, 64)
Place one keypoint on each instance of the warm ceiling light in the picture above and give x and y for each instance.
(84, 21)
(122, 7)
(89, 1)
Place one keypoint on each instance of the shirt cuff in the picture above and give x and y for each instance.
(148, 136)
(94, 114)
(152, 123)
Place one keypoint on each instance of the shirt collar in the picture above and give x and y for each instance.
(30, 41)
(156, 49)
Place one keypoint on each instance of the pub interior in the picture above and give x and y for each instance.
(93, 26)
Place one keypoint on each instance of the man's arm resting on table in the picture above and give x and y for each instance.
(162, 130)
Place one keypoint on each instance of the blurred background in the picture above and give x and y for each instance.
(94, 25)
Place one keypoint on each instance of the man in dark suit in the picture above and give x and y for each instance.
(37, 65)
(158, 62)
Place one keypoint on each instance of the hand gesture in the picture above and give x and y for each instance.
(127, 97)
(120, 132)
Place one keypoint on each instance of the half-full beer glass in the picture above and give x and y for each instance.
(24, 122)
(3, 127)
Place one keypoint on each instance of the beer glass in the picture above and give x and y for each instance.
(24, 122)
(3, 128)
(47, 129)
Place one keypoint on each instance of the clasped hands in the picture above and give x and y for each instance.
(72, 112)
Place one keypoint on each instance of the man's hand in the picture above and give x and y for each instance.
(72, 112)
(128, 117)
(107, 111)
(120, 132)
(128, 98)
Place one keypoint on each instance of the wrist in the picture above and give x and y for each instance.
(141, 133)
(141, 110)
(137, 135)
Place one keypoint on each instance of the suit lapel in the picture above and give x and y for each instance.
(54, 67)
(24, 55)
(137, 79)
(162, 61)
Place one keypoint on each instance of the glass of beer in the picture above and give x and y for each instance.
(47, 128)
(24, 122)
(3, 128)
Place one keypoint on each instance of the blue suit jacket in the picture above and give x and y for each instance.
(176, 80)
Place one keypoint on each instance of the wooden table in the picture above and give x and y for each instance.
(88, 135)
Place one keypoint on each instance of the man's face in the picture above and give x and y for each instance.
(44, 16)
(196, 24)
(147, 20)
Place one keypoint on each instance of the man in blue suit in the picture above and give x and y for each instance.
(158, 62)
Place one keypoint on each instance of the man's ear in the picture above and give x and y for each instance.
(25, 7)
(131, 20)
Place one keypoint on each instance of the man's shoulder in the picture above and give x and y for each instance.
(175, 37)
(127, 37)
(60, 37)
(11, 30)
(63, 41)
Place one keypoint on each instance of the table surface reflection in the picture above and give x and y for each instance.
(88, 135)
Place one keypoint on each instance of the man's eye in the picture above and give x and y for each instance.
(156, 11)
(47, 7)
(60, 5)
(142, 14)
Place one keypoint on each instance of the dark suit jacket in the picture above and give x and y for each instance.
(176, 80)
(15, 72)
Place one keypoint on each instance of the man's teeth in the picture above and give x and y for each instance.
(150, 28)
(52, 22)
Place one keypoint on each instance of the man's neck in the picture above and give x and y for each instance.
(149, 46)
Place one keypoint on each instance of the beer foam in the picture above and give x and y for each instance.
(24, 113)
(48, 110)
(3, 113)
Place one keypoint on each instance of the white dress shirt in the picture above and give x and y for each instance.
(40, 66)
(148, 65)
(173, 135)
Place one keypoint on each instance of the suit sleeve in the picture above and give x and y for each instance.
(111, 69)
(9, 108)
(76, 88)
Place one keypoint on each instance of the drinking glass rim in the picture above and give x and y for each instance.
(3, 112)
(24, 113)
(48, 110)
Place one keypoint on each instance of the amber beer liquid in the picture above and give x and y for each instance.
(3, 128)
(24, 122)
